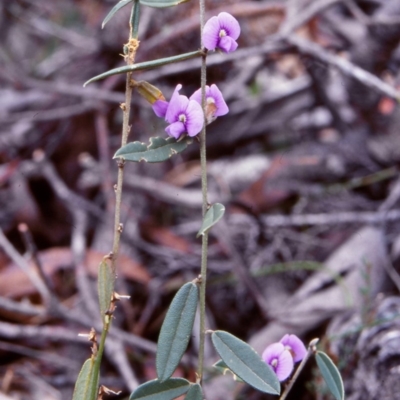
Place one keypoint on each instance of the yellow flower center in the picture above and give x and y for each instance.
(222, 33)
(182, 118)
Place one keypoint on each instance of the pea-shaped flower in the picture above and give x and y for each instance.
(295, 347)
(183, 115)
(221, 32)
(279, 359)
(215, 103)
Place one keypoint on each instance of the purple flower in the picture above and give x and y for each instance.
(215, 103)
(295, 346)
(279, 359)
(183, 115)
(221, 32)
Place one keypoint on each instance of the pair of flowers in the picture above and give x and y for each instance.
(185, 115)
(282, 356)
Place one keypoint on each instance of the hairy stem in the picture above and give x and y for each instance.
(203, 161)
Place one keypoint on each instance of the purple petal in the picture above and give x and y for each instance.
(175, 129)
(176, 108)
(229, 24)
(173, 105)
(160, 108)
(285, 365)
(273, 351)
(194, 118)
(216, 94)
(295, 346)
(196, 96)
(211, 33)
(227, 44)
(279, 359)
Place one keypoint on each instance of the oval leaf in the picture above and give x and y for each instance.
(87, 383)
(156, 390)
(176, 330)
(158, 150)
(212, 216)
(105, 287)
(331, 375)
(117, 7)
(194, 393)
(245, 362)
(145, 65)
(161, 3)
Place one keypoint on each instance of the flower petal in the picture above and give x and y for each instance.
(160, 108)
(230, 24)
(295, 346)
(175, 106)
(211, 33)
(220, 103)
(194, 118)
(272, 352)
(197, 94)
(227, 44)
(285, 365)
(175, 129)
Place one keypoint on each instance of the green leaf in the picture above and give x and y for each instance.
(213, 215)
(245, 362)
(158, 150)
(117, 7)
(145, 65)
(176, 330)
(87, 383)
(194, 393)
(156, 390)
(105, 287)
(161, 3)
(223, 368)
(331, 375)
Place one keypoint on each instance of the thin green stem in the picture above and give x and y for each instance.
(203, 161)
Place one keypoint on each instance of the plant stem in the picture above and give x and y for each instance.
(131, 47)
(203, 161)
(130, 54)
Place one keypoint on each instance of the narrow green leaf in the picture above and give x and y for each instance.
(145, 65)
(194, 393)
(213, 215)
(161, 3)
(245, 362)
(156, 390)
(105, 287)
(87, 383)
(331, 375)
(176, 330)
(117, 7)
(158, 150)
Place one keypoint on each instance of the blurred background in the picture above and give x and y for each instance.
(306, 163)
